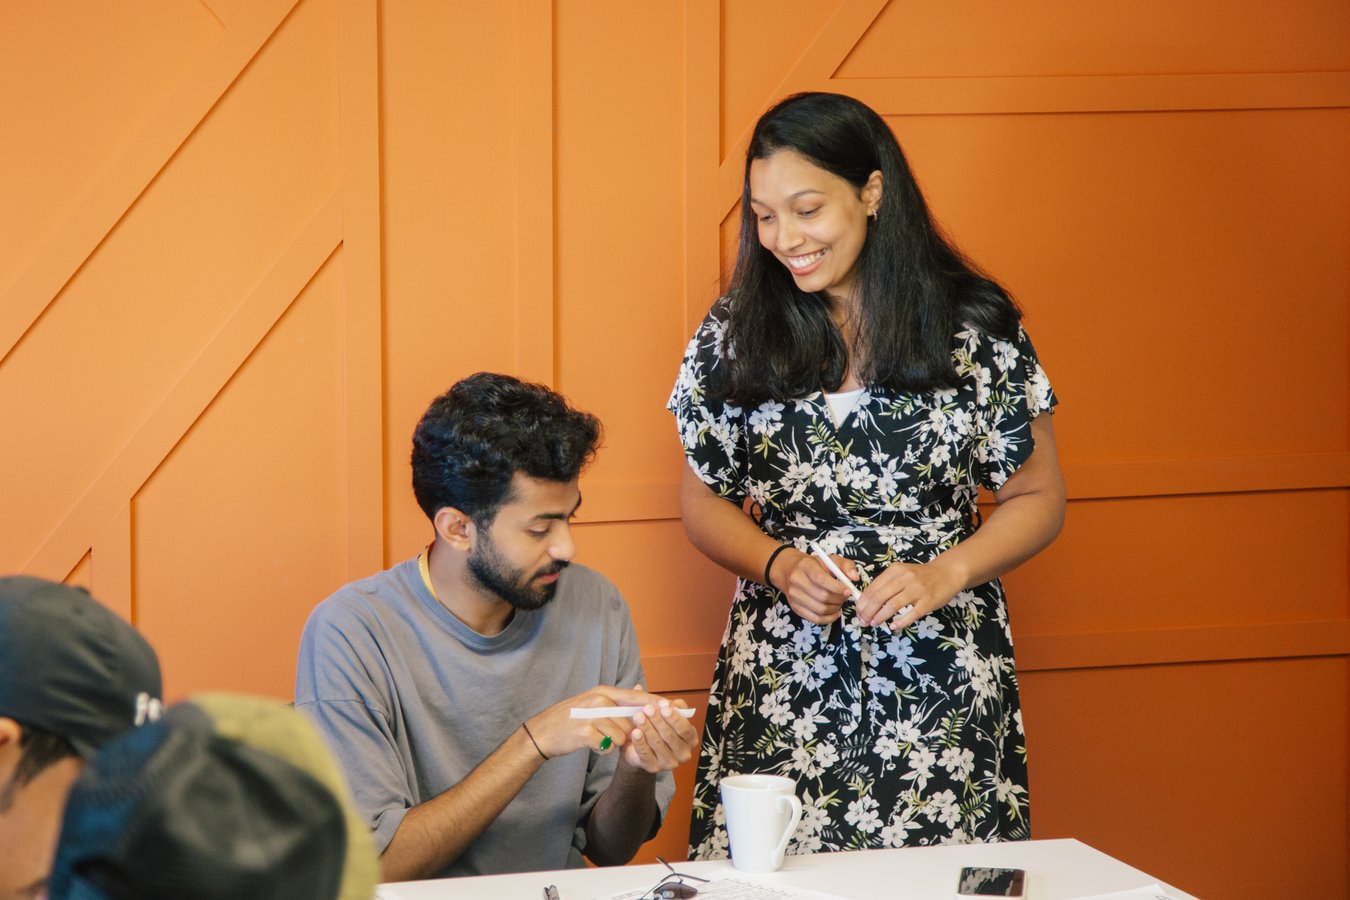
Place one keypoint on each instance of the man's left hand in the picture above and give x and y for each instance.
(661, 739)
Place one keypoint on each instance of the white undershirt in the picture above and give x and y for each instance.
(843, 404)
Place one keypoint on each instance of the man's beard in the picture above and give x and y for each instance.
(515, 586)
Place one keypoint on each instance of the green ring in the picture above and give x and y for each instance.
(605, 743)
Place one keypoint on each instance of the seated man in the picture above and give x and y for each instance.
(445, 684)
(73, 675)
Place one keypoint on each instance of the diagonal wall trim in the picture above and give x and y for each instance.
(1006, 95)
(186, 400)
(113, 191)
(363, 381)
(111, 574)
(817, 64)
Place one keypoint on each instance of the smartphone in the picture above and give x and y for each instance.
(977, 881)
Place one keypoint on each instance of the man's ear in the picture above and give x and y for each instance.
(455, 528)
(10, 732)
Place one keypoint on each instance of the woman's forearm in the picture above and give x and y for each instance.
(722, 531)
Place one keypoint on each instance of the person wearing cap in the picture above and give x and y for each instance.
(73, 675)
(446, 684)
(227, 797)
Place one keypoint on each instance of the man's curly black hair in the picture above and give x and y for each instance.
(476, 436)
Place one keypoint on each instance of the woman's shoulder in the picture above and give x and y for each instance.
(711, 332)
(720, 311)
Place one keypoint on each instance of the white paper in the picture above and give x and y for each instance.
(1151, 892)
(619, 712)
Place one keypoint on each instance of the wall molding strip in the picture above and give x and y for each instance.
(670, 672)
(536, 252)
(630, 502)
(185, 401)
(1032, 95)
(702, 135)
(116, 188)
(1207, 475)
(363, 374)
(812, 71)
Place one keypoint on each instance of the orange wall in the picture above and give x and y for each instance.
(246, 241)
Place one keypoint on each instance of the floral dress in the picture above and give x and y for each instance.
(912, 738)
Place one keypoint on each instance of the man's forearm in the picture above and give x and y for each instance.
(622, 817)
(433, 834)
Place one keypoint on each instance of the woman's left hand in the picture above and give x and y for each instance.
(906, 592)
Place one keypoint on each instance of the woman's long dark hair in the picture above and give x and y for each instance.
(916, 289)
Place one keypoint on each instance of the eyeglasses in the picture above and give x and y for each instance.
(674, 885)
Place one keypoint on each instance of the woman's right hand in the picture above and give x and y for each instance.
(811, 591)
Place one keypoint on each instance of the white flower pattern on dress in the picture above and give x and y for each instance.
(894, 739)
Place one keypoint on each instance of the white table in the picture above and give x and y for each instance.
(1056, 870)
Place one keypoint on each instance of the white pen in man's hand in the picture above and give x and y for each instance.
(620, 712)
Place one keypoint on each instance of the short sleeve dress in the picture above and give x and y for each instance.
(903, 739)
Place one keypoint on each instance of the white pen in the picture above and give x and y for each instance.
(843, 579)
(834, 570)
(620, 712)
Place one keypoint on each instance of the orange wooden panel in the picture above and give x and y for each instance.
(1061, 37)
(136, 316)
(833, 40)
(1207, 475)
(619, 231)
(82, 574)
(448, 195)
(359, 89)
(241, 531)
(729, 230)
(77, 118)
(1085, 94)
(761, 39)
(1163, 646)
(1183, 274)
(672, 842)
(1228, 780)
(679, 598)
(1185, 562)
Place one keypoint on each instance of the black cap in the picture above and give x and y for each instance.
(71, 666)
(225, 797)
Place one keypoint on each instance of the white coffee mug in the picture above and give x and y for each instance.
(762, 813)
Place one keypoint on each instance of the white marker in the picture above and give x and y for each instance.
(834, 570)
(620, 712)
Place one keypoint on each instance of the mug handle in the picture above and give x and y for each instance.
(796, 806)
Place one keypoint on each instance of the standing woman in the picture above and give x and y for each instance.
(856, 385)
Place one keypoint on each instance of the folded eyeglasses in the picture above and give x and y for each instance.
(674, 885)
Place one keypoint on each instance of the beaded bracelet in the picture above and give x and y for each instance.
(769, 565)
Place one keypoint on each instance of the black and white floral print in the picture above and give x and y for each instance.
(912, 738)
